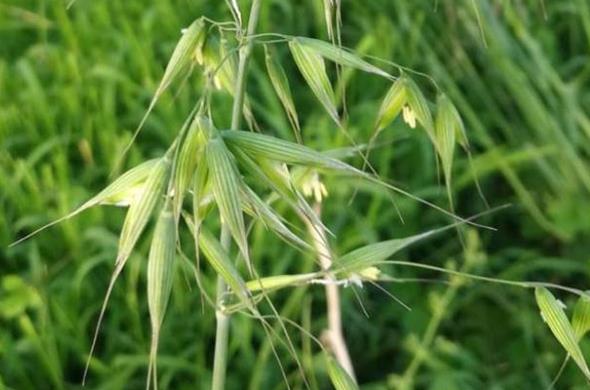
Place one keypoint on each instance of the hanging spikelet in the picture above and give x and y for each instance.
(160, 275)
(226, 188)
(555, 318)
(280, 83)
(312, 67)
(136, 219)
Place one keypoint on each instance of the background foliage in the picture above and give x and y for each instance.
(75, 83)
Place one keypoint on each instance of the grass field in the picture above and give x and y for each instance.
(75, 83)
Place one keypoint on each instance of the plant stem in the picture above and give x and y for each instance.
(222, 318)
(222, 329)
(333, 336)
(240, 87)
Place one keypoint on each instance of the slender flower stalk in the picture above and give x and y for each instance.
(333, 336)
(222, 318)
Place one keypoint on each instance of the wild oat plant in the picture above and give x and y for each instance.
(234, 178)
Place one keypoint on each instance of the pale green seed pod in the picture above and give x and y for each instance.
(141, 209)
(554, 316)
(280, 83)
(161, 265)
(312, 67)
(391, 105)
(340, 56)
(338, 375)
(160, 276)
(226, 184)
(581, 318)
(190, 154)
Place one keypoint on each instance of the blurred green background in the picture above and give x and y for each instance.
(75, 83)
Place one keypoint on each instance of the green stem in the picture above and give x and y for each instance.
(333, 336)
(238, 106)
(222, 318)
(222, 330)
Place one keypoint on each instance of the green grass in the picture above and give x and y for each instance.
(75, 83)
